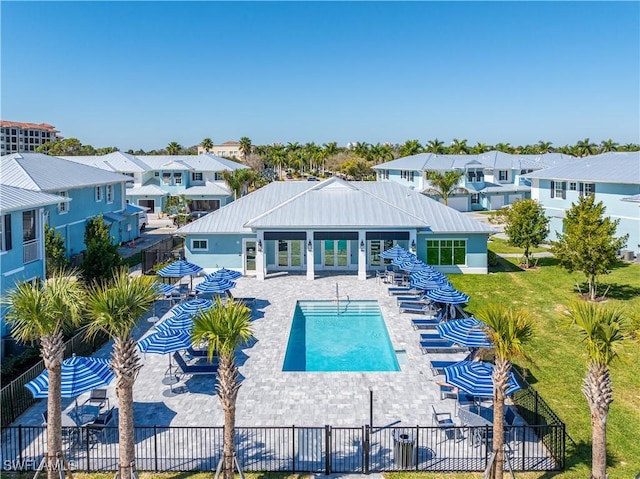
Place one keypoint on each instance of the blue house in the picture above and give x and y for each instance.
(153, 178)
(614, 179)
(334, 225)
(22, 214)
(489, 180)
(90, 192)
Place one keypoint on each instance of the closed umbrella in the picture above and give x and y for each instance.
(192, 306)
(393, 252)
(224, 273)
(475, 378)
(79, 375)
(468, 332)
(182, 321)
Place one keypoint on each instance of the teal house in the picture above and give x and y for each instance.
(334, 225)
(488, 181)
(614, 179)
(88, 192)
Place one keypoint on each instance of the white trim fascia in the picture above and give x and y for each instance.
(13, 271)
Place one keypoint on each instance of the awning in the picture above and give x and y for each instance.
(113, 218)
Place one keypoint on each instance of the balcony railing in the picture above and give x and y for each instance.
(31, 251)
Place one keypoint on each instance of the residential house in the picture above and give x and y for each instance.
(22, 216)
(489, 180)
(90, 191)
(334, 225)
(614, 179)
(228, 149)
(156, 177)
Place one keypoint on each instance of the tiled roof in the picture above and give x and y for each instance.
(33, 126)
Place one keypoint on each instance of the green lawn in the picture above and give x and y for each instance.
(500, 246)
(559, 365)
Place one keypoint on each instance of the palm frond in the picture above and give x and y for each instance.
(509, 331)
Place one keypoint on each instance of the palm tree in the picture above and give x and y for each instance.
(445, 184)
(509, 331)
(608, 145)
(114, 308)
(503, 147)
(42, 312)
(480, 148)
(174, 148)
(435, 146)
(245, 147)
(544, 146)
(225, 327)
(207, 144)
(459, 147)
(602, 331)
(410, 148)
(585, 147)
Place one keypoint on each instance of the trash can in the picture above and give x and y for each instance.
(403, 449)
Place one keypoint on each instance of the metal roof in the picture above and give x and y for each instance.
(131, 210)
(633, 199)
(613, 167)
(202, 162)
(116, 161)
(35, 171)
(148, 190)
(12, 199)
(412, 163)
(208, 188)
(334, 203)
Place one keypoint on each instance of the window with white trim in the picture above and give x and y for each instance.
(559, 189)
(109, 193)
(199, 244)
(573, 186)
(503, 175)
(64, 206)
(196, 176)
(446, 252)
(5, 232)
(98, 193)
(166, 178)
(588, 189)
(177, 178)
(475, 199)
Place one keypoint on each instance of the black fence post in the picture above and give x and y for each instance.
(486, 447)
(20, 443)
(155, 447)
(86, 433)
(417, 448)
(366, 448)
(293, 449)
(524, 442)
(564, 446)
(327, 451)
(535, 406)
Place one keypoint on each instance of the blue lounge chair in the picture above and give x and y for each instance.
(415, 308)
(416, 298)
(210, 368)
(432, 337)
(425, 323)
(396, 290)
(437, 367)
(440, 347)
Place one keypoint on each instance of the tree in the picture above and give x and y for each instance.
(410, 148)
(178, 207)
(544, 146)
(357, 169)
(54, 251)
(526, 225)
(459, 147)
(435, 146)
(245, 147)
(585, 147)
(445, 184)
(101, 256)
(239, 180)
(174, 148)
(42, 312)
(207, 144)
(608, 145)
(602, 330)
(588, 243)
(224, 328)
(509, 331)
(114, 308)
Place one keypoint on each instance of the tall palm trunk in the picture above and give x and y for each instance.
(500, 380)
(228, 386)
(599, 393)
(125, 363)
(52, 350)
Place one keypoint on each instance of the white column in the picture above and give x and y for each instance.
(261, 250)
(310, 257)
(362, 255)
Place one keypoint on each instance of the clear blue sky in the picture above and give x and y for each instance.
(142, 74)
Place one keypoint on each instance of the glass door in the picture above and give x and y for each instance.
(249, 256)
(336, 254)
(290, 254)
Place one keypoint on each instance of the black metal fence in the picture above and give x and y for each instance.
(160, 252)
(16, 399)
(289, 449)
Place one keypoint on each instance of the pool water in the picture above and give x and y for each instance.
(354, 340)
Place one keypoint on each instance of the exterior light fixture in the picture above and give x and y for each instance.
(309, 246)
(260, 246)
(361, 245)
(413, 246)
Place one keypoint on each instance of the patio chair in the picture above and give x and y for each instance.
(432, 337)
(437, 367)
(425, 323)
(396, 290)
(512, 432)
(415, 308)
(415, 298)
(444, 422)
(99, 397)
(440, 347)
(45, 418)
(447, 391)
(97, 428)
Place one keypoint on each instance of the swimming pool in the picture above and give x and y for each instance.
(354, 340)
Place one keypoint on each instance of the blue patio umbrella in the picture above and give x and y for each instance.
(182, 321)
(448, 295)
(393, 252)
(79, 375)
(414, 266)
(426, 284)
(468, 332)
(166, 342)
(179, 268)
(192, 306)
(224, 273)
(163, 288)
(216, 285)
(428, 273)
(475, 378)
(407, 257)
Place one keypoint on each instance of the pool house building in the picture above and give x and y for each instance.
(334, 225)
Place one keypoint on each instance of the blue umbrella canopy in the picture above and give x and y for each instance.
(224, 273)
(163, 288)
(79, 375)
(165, 342)
(216, 285)
(428, 284)
(407, 257)
(414, 266)
(193, 306)
(393, 252)
(475, 378)
(182, 321)
(428, 273)
(179, 268)
(468, 332)
(447, 294)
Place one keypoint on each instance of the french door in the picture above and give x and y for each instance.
(335, 254)
(290, 254)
